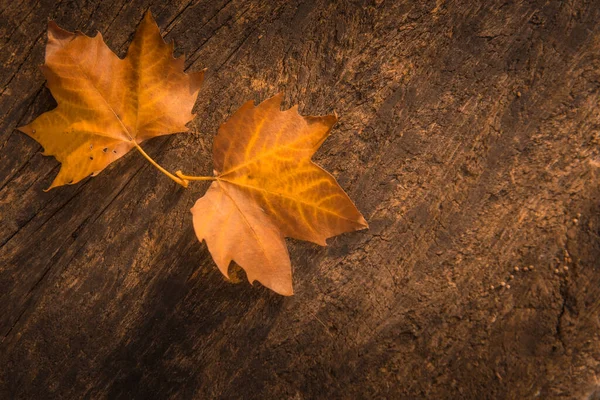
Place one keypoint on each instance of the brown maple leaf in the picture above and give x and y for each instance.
(107, 105)
(267, 188)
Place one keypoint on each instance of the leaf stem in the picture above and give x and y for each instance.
(182, 181)
(195, 178)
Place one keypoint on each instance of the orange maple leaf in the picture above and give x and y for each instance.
(108, 105)
(267, 188)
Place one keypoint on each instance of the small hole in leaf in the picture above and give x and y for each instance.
(105, 149)
(91, 146)
(91, 158)
(114, 151)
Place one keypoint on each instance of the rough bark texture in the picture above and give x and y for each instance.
(469, 137)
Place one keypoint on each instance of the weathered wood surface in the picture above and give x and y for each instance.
(469, 136)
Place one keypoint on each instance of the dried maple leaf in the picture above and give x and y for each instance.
(267, 188)
(108, 105)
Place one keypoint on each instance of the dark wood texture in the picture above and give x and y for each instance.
(469, 137)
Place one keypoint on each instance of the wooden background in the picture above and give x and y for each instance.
(469, 137)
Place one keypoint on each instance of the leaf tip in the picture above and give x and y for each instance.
(287, 291)
(148, 16)
(148, 22)
(53, 27)
(331, 119)
(196, 80)
(49, 188)
(25, 129)
(279, 96)
(275, 100)
(282, 287)
(363, 222)
(57, 35)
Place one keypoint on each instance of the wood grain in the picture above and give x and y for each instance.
(469, 137)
